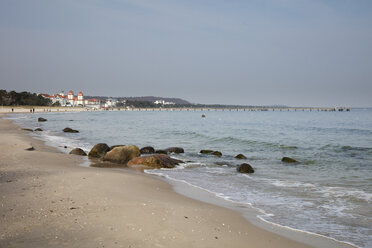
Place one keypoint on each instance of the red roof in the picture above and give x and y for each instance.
(80, 93)
(70, 92)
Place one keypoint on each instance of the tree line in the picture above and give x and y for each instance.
(13, 98)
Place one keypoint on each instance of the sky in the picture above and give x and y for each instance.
(251, 52)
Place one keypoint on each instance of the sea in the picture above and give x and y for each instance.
(328, 192)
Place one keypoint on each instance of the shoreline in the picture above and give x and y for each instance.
(171, 193)
(252, 215)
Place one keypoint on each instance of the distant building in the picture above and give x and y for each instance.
(110, 103)
(67, 101)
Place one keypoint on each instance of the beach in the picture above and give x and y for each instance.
(48, 200)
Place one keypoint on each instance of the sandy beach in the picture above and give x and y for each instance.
(49, 200)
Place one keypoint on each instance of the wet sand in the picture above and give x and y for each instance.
(49, 200)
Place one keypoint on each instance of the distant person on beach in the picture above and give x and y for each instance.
(33, 110)
(12, 109)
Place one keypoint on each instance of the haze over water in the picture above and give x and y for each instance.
(328, 192)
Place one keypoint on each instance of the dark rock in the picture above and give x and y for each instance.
(27, 129)
(122, 154)
(161, 151)
(38, 129)
(217, 153)
(70, 130)
(30, 148)
(288, 160)
(99, 150)
(240, 156)
(40, 119)
(147, 150)
(155, 161)
(203, 115)
(175, 150)
(206, 151)
(65, 146)
(78, 151)
(245, 168)
(112, 147)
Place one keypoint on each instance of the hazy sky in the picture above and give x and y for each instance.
(293, 52)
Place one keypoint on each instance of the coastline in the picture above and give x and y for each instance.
(44, 186)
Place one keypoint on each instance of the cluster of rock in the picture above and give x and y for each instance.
(130, 155)
(147, 157)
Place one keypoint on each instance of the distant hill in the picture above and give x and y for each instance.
(144, 99)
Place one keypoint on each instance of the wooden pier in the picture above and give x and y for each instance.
(294, 109)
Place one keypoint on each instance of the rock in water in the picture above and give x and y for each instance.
(161, 151)
(69, 130)
(175, 150)
(40, 119)
(206, 151)
(217, 153)
(245, 168)
(78, 151)
(147, 150)
(240, 156)
(122, 154)
(155, 161)
(288, 160)
(99, 150)
(30, 148)
(38, 129)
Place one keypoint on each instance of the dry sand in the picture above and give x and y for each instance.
(48, 200)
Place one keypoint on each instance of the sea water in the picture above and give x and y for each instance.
(328, 192)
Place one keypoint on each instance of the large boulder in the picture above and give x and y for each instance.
(245, 168)
(155, 161)
(99, 150)
(289, 160)
(69, 130)
(240, 156)
(78, 151)
(175, 150)
(41, 119)
(147, 150)
(122, 154)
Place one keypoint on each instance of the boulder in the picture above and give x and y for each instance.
(122, 154)
(175, 150)
(99, 150)
(245, 168)
(30, 148)
(112, 147)
(147, 150)
(217, 153)
(240, 156)
(206, 151)
(41, 119)
(289, 160)
(161, 151)
(38, 129)
(69, 130)
(78, 151)
(155, 161)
